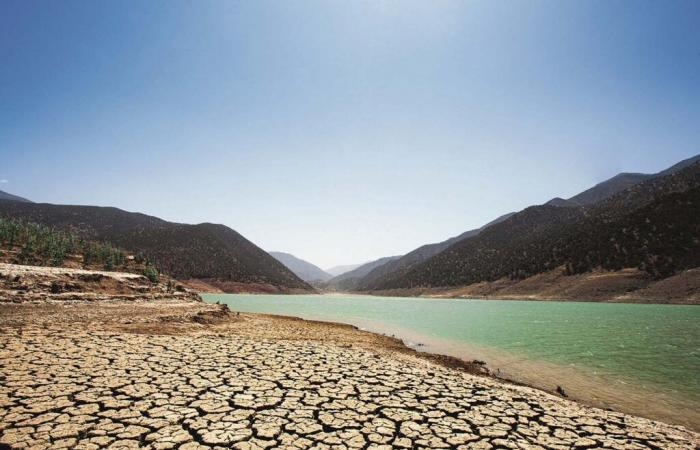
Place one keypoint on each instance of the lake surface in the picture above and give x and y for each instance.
(643, 359)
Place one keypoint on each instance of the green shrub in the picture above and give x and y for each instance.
(151, 273)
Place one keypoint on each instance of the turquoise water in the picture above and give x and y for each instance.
(652, 348)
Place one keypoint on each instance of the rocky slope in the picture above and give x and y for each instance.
(183, 251)
(303, 269)
(651, 225)
(394, 269)
(36, 284)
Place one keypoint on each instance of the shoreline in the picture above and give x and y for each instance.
(445, 293)
(658, 394)
(448, 293)
(483, 368)
(440, 293)
(191, 375)
(623, 286)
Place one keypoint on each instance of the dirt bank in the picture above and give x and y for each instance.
(628, 286)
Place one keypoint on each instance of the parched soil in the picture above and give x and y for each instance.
(177, 373)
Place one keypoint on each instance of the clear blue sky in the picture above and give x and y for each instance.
(341, 131)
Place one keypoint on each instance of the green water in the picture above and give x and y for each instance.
(655, 348)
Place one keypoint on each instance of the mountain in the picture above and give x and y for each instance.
(339, 270)
(397, 268)
(651, 225)
(621, 182)
(348, 281)
(7, 196)
(394, 267)
(303, 269)
(204, 251)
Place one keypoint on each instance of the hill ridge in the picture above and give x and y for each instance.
(597, 193)
(205, 250)
(543, 237)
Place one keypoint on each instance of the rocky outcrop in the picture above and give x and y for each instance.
(24, 284)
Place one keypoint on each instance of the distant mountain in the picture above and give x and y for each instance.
(651, 225)
(203, 251)
(8, 196)
(620, 182)
(392, 269)
(303, 269)
(395, 267)
(339, 270)
(349, 280)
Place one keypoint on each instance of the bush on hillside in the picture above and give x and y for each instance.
(151, 273)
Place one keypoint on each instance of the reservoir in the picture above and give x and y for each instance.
(641, 359)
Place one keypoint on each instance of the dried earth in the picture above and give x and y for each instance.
(178, 373)
(32, 284)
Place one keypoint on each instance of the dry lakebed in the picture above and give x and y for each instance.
(166, 373)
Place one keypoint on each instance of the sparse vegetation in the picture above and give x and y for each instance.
(37, 244)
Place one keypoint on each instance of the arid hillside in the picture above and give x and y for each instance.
(206, 251)
(651, 226)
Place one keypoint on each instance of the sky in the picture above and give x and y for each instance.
(341, 131)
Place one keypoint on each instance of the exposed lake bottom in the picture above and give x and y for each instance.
(641, 359)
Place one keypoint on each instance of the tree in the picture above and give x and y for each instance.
(151, 273)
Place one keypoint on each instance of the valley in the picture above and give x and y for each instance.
(349, 225)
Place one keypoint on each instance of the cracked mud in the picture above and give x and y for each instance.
(178, 375)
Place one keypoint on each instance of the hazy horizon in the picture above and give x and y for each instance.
(341, 132)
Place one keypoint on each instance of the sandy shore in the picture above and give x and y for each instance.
(178, 374)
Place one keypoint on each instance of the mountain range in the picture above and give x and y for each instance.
(646, 223)
(606, 226)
